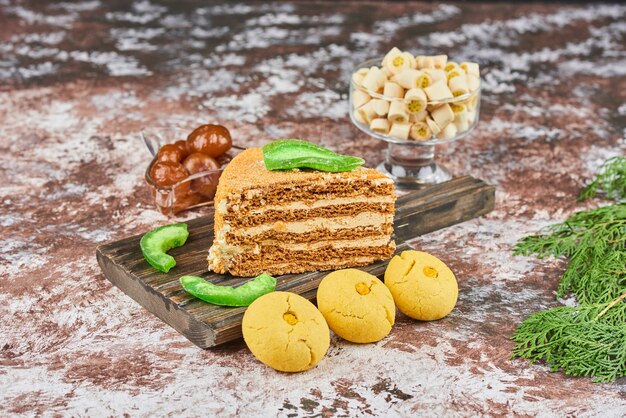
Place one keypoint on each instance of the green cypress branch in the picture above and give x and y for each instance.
(589, 339)
(594, 241)
(611, 181)
(586, 340)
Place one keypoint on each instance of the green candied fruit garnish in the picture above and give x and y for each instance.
(243, 295)
(286, 154)
(156, 243)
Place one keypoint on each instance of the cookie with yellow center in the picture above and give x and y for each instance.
(286, 332)
(423, 287)
(357, 306)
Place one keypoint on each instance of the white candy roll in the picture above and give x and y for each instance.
(374, 80)
(471, 116)
(383, 73)
(434, 128)
(415, 100)
(380, 106)
(359, 98)
(367, 112)
(423, 80)
(436, 74)
(398, 61)
(392, 52)
(398, 112)
(418, 117)
(423, 61)
(358, 117)
(461, 120)
(458, 86)
(473, 82)
(438, 91)
(358, 75)
(471, 68)
(406, 78)
(400, 130)
(410, 58)
(420, 131)
(380, 125)
(392, 89)
(448, 132)
(455, 72)
(458, 107)
(439, 61)
(450, 65)
(471, 102)
(357, 78)
(442, 115)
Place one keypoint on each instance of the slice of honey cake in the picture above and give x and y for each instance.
(295, 221)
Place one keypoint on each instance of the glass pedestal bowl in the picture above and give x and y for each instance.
(411, 163)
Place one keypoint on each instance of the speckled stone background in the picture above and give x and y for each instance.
(79, 80)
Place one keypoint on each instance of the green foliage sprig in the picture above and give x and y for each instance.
(611, 181)
(594, 241)
(585, 340)
(588, 339)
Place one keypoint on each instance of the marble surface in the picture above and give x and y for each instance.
(79, 80)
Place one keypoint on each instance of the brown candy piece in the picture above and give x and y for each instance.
(170, 153)
(184, 202)
(212, 140)
(207, 184)
(182, 145)
(167, 174)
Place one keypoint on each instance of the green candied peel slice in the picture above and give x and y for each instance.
(156, 243)
(242, 295)
(286, 154)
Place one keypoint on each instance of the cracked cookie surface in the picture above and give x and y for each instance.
(286, 332)
(423, 287)
(357, 306)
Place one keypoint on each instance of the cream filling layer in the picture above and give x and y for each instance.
(336, 262)
(300, 227)
(337, 244)
(222, 250)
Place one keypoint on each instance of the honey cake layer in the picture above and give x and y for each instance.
(246, 270)
(236, 220)
(287, 193)
(270, 258)
(320, 234)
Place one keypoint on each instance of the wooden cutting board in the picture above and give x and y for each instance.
(209, 325)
